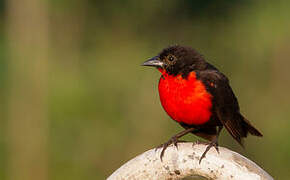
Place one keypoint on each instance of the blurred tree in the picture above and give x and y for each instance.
(28, 53)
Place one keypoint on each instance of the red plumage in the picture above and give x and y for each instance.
(185, 100)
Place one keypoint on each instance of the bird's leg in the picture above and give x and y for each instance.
(213, 143)
(174, 140)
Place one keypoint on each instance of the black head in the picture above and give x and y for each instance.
(178, 60)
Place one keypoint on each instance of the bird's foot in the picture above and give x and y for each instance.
(173, 140)
(211, 144)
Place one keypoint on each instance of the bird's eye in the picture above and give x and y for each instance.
(170, 58)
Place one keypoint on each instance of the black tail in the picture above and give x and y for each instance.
(250, 128)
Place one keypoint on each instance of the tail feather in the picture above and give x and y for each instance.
(250, 128)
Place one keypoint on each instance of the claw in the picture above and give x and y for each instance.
(161, 145)
(173, 140)
(162, 152)
(211, 144)
(165, 145)
(216, 147)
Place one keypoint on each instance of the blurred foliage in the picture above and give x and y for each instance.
(103, 107)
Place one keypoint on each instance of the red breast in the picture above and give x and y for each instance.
(185, 100)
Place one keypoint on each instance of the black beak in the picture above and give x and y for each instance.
(155, 62)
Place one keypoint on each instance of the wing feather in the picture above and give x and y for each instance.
(225, 103)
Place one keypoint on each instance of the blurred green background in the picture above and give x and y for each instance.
(76, 104)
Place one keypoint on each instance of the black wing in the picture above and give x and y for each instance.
(225, 104)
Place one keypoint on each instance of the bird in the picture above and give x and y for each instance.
(196, 95)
